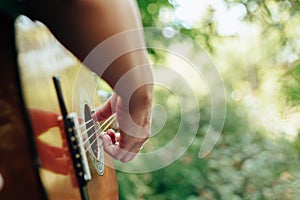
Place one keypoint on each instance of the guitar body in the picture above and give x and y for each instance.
(35, 159)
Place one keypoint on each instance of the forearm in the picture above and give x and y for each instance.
(81, 25)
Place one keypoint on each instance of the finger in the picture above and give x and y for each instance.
(118, 136)
(115, 137)
(131, 151)
(115, 151)
(111, 148)
(125, 153)
(128, 157)
(112, 135)
(105, 111)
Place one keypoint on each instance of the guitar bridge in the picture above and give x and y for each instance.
(76, 147)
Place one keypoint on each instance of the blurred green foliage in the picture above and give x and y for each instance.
(255, 157)
(291, 85)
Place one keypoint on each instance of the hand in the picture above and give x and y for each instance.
(134, 126)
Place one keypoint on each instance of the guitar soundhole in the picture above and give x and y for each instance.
(94, 147)
(91, 131)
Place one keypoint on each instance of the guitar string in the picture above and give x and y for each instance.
(111, 118)
(84, 124)
(107, 122)
(91, 120)
(87, 122)
(91, 143)
(93, 134)
(87, 129)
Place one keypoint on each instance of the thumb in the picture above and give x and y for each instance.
(105, 111)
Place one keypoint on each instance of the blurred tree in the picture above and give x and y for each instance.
(254, 159)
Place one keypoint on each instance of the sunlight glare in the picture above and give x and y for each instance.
(189, 12)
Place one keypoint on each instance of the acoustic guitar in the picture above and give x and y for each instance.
(49, 144)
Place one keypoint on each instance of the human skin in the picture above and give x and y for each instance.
(81, 25)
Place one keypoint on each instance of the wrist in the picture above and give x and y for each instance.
(141, 99)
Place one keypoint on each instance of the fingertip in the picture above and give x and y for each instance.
(106, 138)
(109, 147)
(112, 135)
